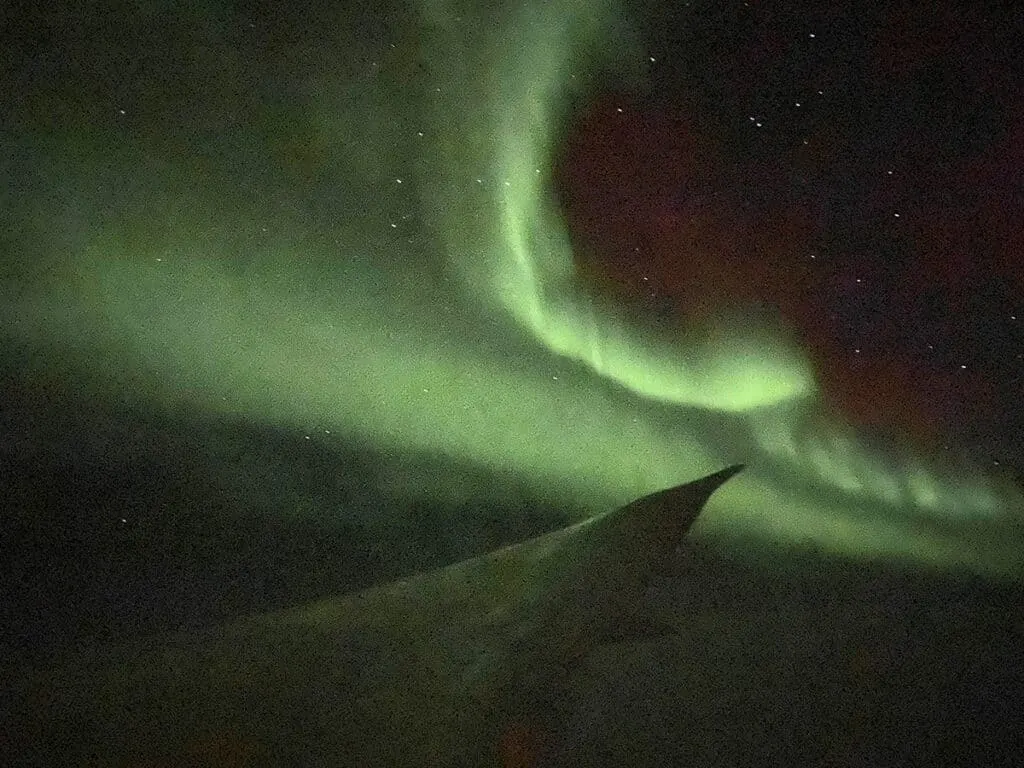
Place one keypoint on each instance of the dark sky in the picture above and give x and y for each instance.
(859, 167)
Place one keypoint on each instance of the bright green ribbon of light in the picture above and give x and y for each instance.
(518, 78)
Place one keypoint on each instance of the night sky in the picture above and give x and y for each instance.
(297, 298)
(856, 167)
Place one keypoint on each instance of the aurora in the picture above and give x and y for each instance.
(416, 291)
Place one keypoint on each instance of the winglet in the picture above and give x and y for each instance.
(664, 517)
(708, 485)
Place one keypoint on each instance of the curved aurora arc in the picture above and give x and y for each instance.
(488, 349)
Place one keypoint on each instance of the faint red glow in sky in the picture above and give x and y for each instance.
(656, 207)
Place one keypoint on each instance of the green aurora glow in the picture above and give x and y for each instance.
(439, 311)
